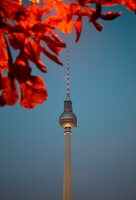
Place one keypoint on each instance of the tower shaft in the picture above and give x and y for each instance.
(67, 183)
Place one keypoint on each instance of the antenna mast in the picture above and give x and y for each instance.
(68, 79)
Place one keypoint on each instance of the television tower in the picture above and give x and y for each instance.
(67, 121)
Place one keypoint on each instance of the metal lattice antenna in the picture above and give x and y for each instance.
(68, 79)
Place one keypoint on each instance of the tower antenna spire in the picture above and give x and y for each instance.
(68, 78)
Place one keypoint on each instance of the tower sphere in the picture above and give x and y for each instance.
(68, 119)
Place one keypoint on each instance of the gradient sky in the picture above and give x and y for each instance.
(103, 90)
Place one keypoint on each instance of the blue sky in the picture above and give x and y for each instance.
(103, 90)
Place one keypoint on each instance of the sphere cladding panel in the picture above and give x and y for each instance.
(68, 119)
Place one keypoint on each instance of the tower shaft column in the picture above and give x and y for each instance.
(67, 184)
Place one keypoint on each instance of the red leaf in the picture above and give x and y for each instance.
(39, 27)
(3, 53)
(78, 27)
(80, 10)
(75, 9)
(53, 21)
(16, 29)
(9, 8)
(65, 25)
(61, 9)
(51, 56)
(47, 8)
(97, 12)
(9, 94)
(17, 40)
(33, 92)
(131, 5)
(33, 50)
(21, 70)
(35, 14)
(57, 39)
(83, 2)
(3, 80)
(110, 15)
(2, 102)
(97, 25)
(53, 44)
(21, 14)
(108, 2)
